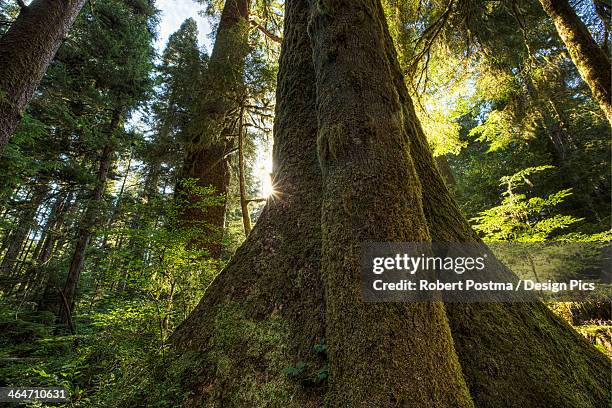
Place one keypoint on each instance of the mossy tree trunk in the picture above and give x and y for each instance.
(512, 355)
(592, 62)
(26, 50)
(381, 355)
(207, 151)
(264, 312)
(446, 170)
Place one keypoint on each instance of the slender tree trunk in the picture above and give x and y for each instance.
(48, 239)
(48, 296)
(19, 236)
(244, 202)
(26, 50)
(86, 225)
(119, 201)
(603, 8)
(592, 62)
(512, 355)
(206, 158)
(264, 312)
(55, 221)
(151, 184)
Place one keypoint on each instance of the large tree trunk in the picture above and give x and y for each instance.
(206, 157)
(86, 225)
(26, 50)
(381, 355)
(512, 355)
(210, 168)
(592, 62)
(264, 312)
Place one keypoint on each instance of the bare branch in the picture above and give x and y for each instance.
(266, 32)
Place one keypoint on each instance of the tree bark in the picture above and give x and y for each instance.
(592, 62)
(26, 50)
(244, 202)
(210, 168)
(380, 353)
(445, 170)
(86, 226)
(512, 355)
(206, 154)
(264, 312)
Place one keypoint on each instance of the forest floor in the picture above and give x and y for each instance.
(116, 346)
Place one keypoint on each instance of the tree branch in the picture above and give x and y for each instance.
(21, 4)
(266, 32)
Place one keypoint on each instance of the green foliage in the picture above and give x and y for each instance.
(291, 371)
(310, 376)
(321, 348)
(519, 218)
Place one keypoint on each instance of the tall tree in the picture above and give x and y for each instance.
(210, 139)
(592, 61)
(223, 335)
(26, 50)
(180, 71)
(372, 193)
(264, 312)
(86, 225)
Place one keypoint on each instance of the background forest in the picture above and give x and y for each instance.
(117, 207)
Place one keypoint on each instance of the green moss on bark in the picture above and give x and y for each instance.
(512, 355)
(592, 62)
(381, 355)
(264, 312)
